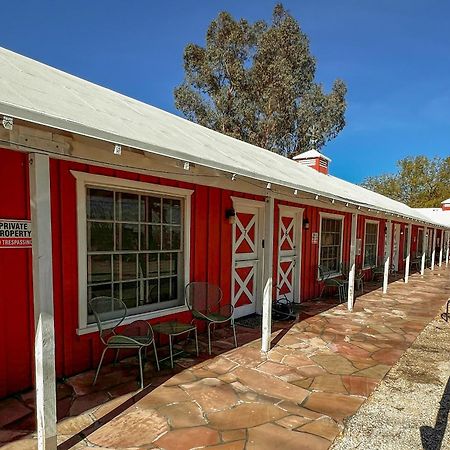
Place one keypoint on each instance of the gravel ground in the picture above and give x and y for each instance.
(410, 408)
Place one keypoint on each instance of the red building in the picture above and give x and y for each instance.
(126, 200)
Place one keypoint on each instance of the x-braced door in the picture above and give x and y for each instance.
(246, 259)
(289, 240)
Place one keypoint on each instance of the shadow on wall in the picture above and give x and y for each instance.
(432, 437)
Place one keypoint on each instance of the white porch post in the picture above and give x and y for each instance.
(352, 264)
(387, 256)
(424, 251)
(408, 254)
(43, 301)
(441, 248)
(268, 274)
(447, 253)
(433, 249)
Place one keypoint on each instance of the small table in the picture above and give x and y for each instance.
(173, 329)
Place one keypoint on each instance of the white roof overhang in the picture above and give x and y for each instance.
(40, 94)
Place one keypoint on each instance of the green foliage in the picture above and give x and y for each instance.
(255, 82)
(420, 182)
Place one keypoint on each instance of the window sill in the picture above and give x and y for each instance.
(93, 328)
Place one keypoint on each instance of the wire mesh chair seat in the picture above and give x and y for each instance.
(109, 314)
(204, 301)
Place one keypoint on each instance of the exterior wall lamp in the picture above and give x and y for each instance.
(306, 223)
(230, 214)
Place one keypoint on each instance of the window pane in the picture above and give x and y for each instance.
(99, 268)
(125, 267)
(150, 237)
(127, 207)
(102, 290)
(151, 211)
(128, 293)
(171, 238)
(151, 293)
(171, 211)
(100, 204)
(127, 236)
(100, 236)
(165, 294)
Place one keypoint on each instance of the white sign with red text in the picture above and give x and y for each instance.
(15, 233)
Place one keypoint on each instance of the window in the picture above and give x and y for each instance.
(331, 244)
(134, 249)
(133, 244)
(371, 244)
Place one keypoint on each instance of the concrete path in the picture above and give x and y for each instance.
(297, 397)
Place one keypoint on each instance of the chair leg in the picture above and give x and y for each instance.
(171, 351)
(156, 355)
(99, 366)
(209, 337)
(196, 340)
(234, 332)
(141, 370)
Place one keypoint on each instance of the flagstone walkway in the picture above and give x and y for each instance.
(298, 396)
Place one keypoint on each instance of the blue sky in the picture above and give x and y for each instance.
(393, 54)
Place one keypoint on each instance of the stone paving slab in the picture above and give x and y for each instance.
(298, 396)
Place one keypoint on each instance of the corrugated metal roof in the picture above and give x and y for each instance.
(35, 92)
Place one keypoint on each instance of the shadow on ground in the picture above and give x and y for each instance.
(432, 437)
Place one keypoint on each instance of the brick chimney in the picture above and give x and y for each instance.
(445, 205)
(317, 161)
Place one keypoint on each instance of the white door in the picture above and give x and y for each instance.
(247, 266)
(396, 246)
(289, 239)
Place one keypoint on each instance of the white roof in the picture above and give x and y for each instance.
(445, 202)
(436, 215)
(310, 154)
(41, 94)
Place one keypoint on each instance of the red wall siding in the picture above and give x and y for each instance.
(210, 255)
(210, 260)
(16, 306)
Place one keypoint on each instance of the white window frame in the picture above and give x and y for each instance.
(341, 217)
(85, 180)
(377, 223)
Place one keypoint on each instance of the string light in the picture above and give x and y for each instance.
(166, 172)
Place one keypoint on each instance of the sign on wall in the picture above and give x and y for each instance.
(315, 238)
(15, 233)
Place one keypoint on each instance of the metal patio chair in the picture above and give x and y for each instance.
(203, 299)
(331, 282)
(109, 314)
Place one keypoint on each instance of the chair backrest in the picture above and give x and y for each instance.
(109, 313)
(324, 273)
(202, 296)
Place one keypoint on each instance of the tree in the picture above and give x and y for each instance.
(420, 182)
(255, 82)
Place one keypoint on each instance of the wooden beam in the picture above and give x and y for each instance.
(447, 253)
(424, 251)
(352, 264)
(43, 301)
(387, 256)
(441, 248)
(268, 274)
(408, 253)
(433, 249)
